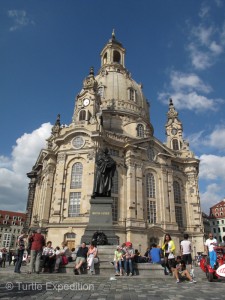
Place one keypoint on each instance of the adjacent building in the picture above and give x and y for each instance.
(155, 184)
(217, 220)
(11, 225)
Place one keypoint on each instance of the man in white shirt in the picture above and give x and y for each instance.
(210, 244)
(185, 247)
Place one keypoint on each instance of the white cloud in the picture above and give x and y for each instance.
(217, 138)
(190, 101)
(200, 60)
(195, 139)
(206, 42)
(184, 90)
(219, 3)
(212, 167)
(203, 34)
(5, 162)
(210, 197)
(190, 81)
(212, 173)
(215, 48)
(20, 19)
(13, 179)
(204, 11)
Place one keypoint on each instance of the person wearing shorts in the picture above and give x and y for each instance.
(81, 258)
(185, 247)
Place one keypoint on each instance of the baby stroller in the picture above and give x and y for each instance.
(207, 268)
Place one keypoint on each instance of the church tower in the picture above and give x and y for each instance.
(155, 186)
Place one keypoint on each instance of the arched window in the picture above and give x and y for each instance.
(105, 58)
(175, 144)
(82, 115)
(140, 130)
(150, 185)
(76, 176)
(115, 197)
(177, 193)
(116, 56)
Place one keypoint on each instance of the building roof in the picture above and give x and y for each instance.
(16, 217)
(219, 204)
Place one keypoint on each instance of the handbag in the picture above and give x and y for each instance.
(64, 260)
(171, 256)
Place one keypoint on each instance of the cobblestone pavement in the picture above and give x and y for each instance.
(63, 286)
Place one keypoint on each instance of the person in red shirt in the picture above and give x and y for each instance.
(37, 241)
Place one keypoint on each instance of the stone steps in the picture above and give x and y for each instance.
(105, 268)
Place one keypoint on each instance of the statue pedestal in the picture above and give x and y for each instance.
(100, 220)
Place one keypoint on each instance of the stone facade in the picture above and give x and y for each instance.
(155, 186)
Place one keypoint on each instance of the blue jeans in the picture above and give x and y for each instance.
(118, 266)
(128, 262)
(19, 261)
(212, 258)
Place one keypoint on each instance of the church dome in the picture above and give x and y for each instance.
(119, 93)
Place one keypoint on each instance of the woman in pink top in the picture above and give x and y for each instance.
(92, 257)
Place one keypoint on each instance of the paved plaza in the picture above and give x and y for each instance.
(63, 286)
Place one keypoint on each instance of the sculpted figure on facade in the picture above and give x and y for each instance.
(104, 172)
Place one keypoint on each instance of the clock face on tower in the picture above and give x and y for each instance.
(86, 102)
(174, 131)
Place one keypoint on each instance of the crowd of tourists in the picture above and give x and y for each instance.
(45, 258)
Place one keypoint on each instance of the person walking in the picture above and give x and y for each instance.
(37, 243)
(20, 251)
(185, 248)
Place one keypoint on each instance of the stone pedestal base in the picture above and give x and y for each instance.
(100, 220)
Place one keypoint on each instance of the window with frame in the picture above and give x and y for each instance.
(177, 192)
(175, 144)
(116, 56)
(150, 185)
(132, 94)
(76, 176)
(179, 215)
(115, 197)
(82, 115)
(6, 239)
(140, 130)
(105, 58)
(151, 211)
(115, 209)
(74, 204)
(114, 189)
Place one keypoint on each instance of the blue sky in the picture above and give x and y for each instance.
(174, 48)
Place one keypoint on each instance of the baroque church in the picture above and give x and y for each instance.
(155, 185)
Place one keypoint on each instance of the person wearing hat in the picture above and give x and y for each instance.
(118, 257)
(129, 259)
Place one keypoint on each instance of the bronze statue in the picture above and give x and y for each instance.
(105, 169)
